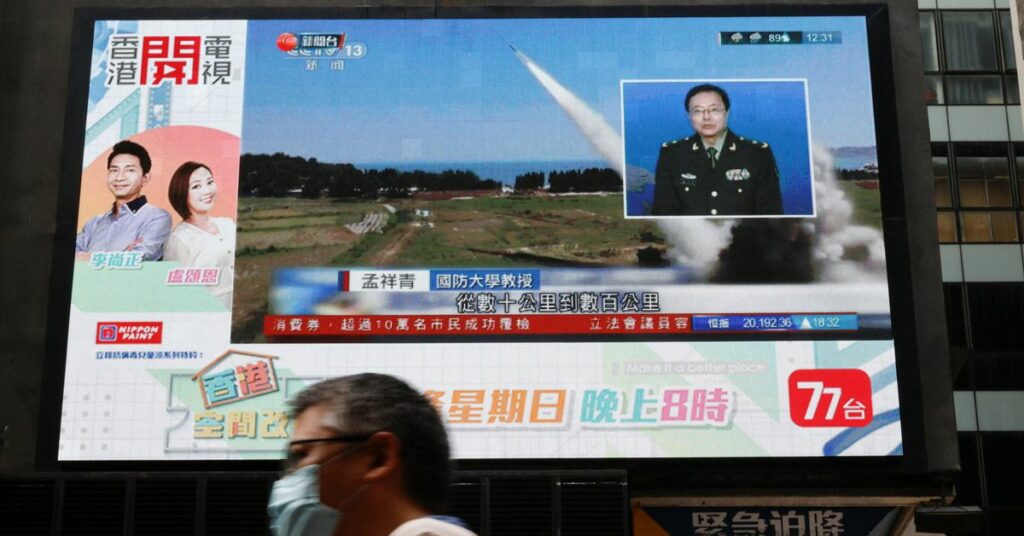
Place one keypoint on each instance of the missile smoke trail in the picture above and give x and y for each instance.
(605, 140)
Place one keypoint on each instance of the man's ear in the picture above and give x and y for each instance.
(385, 449)
(146, 177)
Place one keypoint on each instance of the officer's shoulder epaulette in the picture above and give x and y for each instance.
(673, 142)
(755, 143)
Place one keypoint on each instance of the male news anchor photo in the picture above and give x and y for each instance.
(715, 172)
(131, 224)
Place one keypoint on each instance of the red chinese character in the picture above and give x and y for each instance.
(193, 275)
(211, 276)
(174, 277)
(700, 396)
(718, 405)
(170, 64)
(254, 378)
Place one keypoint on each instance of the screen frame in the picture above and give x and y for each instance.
(909, 227)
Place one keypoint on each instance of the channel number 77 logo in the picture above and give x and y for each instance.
(830, 398)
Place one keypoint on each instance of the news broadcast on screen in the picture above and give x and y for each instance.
(579, 237)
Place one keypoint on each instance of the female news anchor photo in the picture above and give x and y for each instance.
(200, 240)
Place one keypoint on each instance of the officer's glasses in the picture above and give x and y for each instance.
(293, 457)
(714, 112)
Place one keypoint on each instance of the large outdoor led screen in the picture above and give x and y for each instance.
(581, 238)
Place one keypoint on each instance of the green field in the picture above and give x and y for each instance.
(867, 207)
(493, 231)
(524, 231)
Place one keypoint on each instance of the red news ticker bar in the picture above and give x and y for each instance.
(418, 325)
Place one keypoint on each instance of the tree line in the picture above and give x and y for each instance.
(281, 175)
(585, 180)
(574, 180)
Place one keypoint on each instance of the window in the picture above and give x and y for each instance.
(1006, 31)
(933, 93)
(943, 194)
(974, 49)
(988, 226)
(974, 89)
(997, 372)
(940, 173)
(1012, 89)
(1018, 151)
(929, 47)
(979, 190)
(956, 329)
(983, 193)
(996, 311)
(970, 41)
(947, 227)
(983, 175)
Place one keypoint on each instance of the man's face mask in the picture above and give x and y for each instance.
(295, 508)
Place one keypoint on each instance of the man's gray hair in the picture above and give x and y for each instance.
(369, 403)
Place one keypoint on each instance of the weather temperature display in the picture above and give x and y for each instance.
(780, 38)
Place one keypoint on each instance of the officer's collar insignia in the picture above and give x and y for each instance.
(732, 147)
(695, 146)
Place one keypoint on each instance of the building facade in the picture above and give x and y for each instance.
(971, 88)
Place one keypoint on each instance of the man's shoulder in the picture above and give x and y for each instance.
(749, 144)
(428, 526)
(95, 219)
(681, 142)
(682, 149)
(150, 207)
(153, 211)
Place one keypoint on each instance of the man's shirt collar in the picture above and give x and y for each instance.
(133, 205)
(719, 144)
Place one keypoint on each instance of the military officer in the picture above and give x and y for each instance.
(714, 172)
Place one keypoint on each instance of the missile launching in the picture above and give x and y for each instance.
(522, 57)
(602, 136)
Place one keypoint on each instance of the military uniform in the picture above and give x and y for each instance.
(744, 180)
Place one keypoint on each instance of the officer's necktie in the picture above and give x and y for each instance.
(712, 153)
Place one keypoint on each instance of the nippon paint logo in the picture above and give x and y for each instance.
(129, 332)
